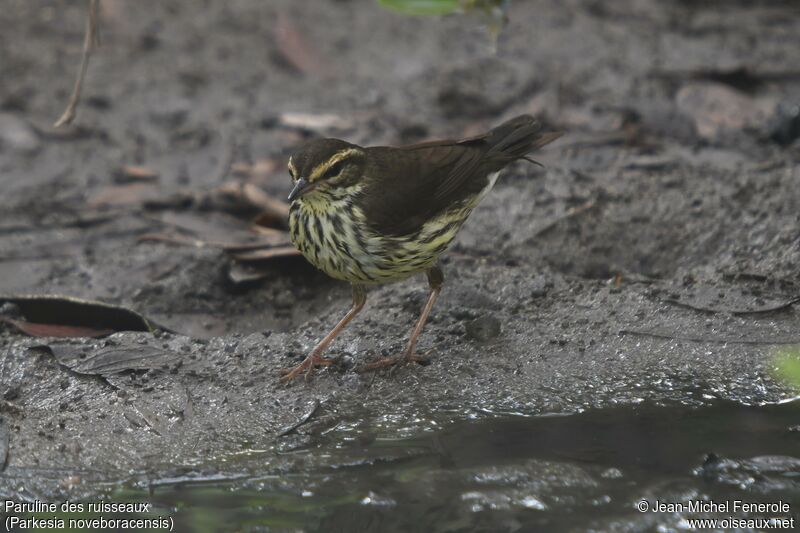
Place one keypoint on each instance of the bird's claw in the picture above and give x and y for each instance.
(308, 366)
(397, 361)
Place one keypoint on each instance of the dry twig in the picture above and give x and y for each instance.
(90, 41)
(572, 212)
(304, 419)
(689, 338)
(768, 309)
(180, 240)
(250, 195)
(263, 254)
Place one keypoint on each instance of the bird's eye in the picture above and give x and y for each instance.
(334, 170)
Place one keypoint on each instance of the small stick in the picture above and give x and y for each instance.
(304, 419)
(228, 152)
(172, 239)
(572, 212)
(769, 309)
(669, 336)
(90, 41)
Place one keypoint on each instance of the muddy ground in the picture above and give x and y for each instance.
(654, 258)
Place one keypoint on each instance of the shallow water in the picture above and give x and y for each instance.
(584, 472)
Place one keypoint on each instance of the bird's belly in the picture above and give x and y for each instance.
(346, 248)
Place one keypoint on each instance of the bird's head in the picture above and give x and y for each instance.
(325, 169)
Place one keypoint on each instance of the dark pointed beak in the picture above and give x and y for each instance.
(300, 187)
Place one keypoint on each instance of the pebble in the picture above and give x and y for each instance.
(17, 135)
(784, 128)
(539, 287)
(483, 328)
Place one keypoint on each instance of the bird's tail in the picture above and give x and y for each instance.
(517, 137)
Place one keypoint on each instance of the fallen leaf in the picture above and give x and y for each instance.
(240, 273)
(322, 122)
(133, 173)
(261, 171)
(251, 264)
(112, 360)
(262, 225)
(17, 135)
(266, 203)
(264, 254)
(217, 230)
(716, 109)
(297, 51)
(180, 240)
(238, 196)
(65, 316)
(124, 195)
(54, 330)
(266, 222)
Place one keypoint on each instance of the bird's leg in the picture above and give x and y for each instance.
(435, 280)
(315, 359)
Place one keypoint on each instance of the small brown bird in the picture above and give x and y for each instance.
(380, 214)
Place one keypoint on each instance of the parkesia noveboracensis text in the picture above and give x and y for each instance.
(380, 214)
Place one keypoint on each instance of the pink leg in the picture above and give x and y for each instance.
(315, 359)
(435, 280)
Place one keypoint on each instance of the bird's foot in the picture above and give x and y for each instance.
(308, 365)
(394, 362)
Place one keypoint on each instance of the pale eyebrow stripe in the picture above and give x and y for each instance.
(292, 168)
(320, 169)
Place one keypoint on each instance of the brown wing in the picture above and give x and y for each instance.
(408, 185)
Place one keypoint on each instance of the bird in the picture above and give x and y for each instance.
(379, 214)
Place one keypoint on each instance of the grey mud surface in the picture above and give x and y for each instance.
(675, 189)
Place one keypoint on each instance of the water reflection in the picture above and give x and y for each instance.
(583, 472)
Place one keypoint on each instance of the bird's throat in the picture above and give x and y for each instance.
(325, 201)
